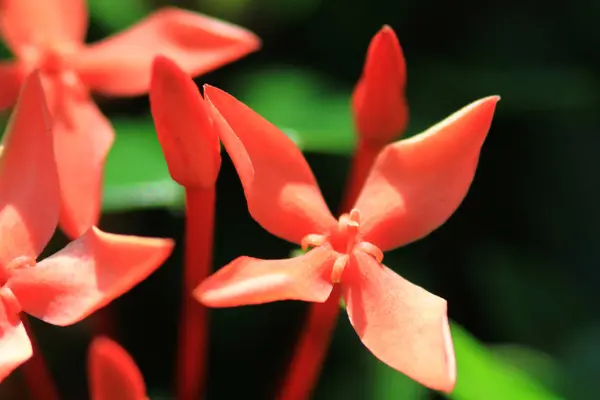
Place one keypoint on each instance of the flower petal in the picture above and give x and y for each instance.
(112, 372)
(379, 103)
(249, 280)
(120, 65)
(416, 184)
(280, 188)
(86, 275)
(29, 197)
(402, 324)
(10, 82)
(43, 23)
(188, 139)
(82, 139)
(15, 347)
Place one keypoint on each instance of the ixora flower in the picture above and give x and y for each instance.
(413, 188)
(48, 35)
(112, 373)
(77, 280)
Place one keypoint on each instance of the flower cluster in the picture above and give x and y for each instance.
(51, 173)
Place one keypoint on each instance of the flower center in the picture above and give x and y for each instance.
(52, 62)
(344, 238)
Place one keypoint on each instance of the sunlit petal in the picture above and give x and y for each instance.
(402, 324)
(42, 23)
(86, 275)
(15, 347)
(280, 188)
(417, 183)
(121, 63)
(29, 197)
(249, 280)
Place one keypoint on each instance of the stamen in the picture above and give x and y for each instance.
(338, 268)
(313, 240)
(371, 250)
(20, 263)
(355, 215)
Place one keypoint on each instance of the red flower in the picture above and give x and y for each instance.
(79, 279)
(112, 373)
(414, 187)
(49, 35)
(378, 101)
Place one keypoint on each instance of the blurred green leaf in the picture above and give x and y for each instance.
(317, 114)
(116, 15)
(537, 364)
(136, 173)
(391, 384)
(484, 375)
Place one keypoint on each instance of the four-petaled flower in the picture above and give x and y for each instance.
(48, 35)
(413, 188)
(79, 279)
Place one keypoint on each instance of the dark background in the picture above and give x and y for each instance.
(519, 262)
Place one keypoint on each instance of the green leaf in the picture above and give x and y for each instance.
(391, 384)
(484, 375)
(136, 173)
(116, 15)
(537, 364)
(318, 115)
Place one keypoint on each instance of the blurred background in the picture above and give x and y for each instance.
(519, 262)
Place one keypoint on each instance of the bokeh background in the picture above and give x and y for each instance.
(519, 262)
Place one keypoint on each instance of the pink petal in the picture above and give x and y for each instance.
(15, 347)
(249, 280)
(47, 23)
(112, 372)
(120, 65)
(183, 126)
(416, 184)
(82, 139)
(10, 82)
(402, 324)
(86, 275)
(280, 188)
(379, 103)
(29, 197)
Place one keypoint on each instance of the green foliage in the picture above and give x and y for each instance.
(115, 15)
(318, 113)
(484, 375)
(136, 174)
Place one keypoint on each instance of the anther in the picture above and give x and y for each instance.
(338, 268)
(355, 215)
(313, 240)
(20, 263)
(371, 250)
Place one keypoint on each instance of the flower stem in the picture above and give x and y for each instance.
(309, 354)
(364, 157)
(307, 359)
(38, 378)
(193, 334)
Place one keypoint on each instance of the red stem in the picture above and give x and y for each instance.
(193, 335)
(364, 157)
(311, 348)
(307, 360)
(38, 378)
